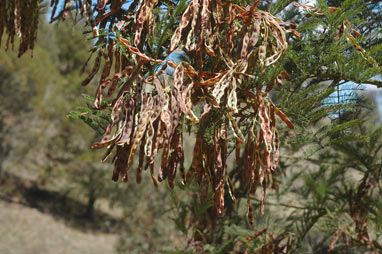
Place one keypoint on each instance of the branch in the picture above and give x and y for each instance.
(373, 82)
(333, 76)
(280, 204)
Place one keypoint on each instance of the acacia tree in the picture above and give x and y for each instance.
(235, 57)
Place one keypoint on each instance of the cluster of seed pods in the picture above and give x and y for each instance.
(228, 48)
(152, 109)
(19, 19)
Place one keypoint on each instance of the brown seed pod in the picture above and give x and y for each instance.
(94, 70)
(183, 23)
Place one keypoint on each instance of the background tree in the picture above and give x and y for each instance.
(46, 146)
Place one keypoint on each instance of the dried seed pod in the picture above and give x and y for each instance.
(67, 7)
(265, 125)
(283, 117)
(105, 73)
(141, 124)
(218, 177)
(250, 211)
(106, 143)
(181, 159)
(190, 43)
(94, 70)
(281, 43)
(143, 14)
(262, 54)
(140, 162)
(232, 98)
(245, 47)
(152, 175)
(182, 24)
(186, 101)
(220, 87)
(163, 170)
(149, 138)
(263, 181)
(137, 52)
(178, 77)
(236, 130)
(197, 161)
(157, 139)
(128, 129)
(205, 17)
(101, 4)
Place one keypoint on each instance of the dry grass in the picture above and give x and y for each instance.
(26, 230)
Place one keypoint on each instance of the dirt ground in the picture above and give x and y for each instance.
(39, 221)
(27, 230)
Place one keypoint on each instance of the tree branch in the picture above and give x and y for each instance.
(377, 83)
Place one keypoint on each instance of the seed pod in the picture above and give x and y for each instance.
(281, 43)
(106, 143)
(190, 42)
(149, 137)
(232, 98)
(262, 54)
(334, 240)
(186, 101)
(235, 128)
(265, 125)
(205, 17)
(250, 211)
(276, 153)
(144, 115)
(140, 162)
(182, 24)
(152, 175)
(178, 77)
(196, 164)
(128, 129)
(67, 7)
(181, 159)
(283, 117)
(245, 47)
(163, 170)
(142, 15)
(220, 87)
(218, 178)
(94, 70)
(137, 52)
(156, 141)
(101, 4)
(117, 108)
(263, 181)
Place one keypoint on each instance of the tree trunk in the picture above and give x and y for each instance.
(2, 150)
(90, 206)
